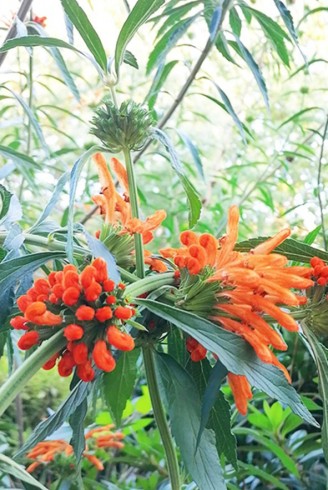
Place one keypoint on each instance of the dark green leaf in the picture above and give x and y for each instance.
(5, 202)
(293, 249)
(195, 204)
(119, 384)
(52, 423)
(86, 30)
(320, 355)
(236, 354)
(130, 59)
(141, 11)
(287, 18)
(310, 237)
(76, 421)
(184, 408)
(166, 43)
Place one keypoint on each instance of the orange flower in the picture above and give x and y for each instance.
(103, 357)
(120, 340)
(250, 285)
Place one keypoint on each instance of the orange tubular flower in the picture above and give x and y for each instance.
(249, 285)
(82, 306)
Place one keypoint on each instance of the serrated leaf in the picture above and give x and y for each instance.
(76, 421)
(141, 11)
(231, 111)
(52, 423)
(5, 202)
(74, 179)
(184, 408)
(253, 66)
(287, 18)
(194, 201)
(292, 249)
(235, 353)
(320, 355)
(118, 385)
(219, 417)
(10, 467)
(130, 59)
(86, 30)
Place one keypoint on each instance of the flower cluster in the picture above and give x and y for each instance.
(251, 285)
(88, 307)
(320, 271)
(117, 208)
(46, 452)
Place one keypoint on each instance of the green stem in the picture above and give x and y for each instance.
(160, 417)
(150, 283)
(15, 384)
(133, 194)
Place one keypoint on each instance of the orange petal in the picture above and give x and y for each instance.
(270, 244)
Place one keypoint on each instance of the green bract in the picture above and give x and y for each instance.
(127, 127)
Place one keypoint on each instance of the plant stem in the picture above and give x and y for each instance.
(15, 384)
(324, 134)
(160, 417)
(133, 193)
(149, 283)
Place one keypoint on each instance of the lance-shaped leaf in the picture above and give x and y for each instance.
(184, 408)
(88, 33)
(10, 467)
(320, 355)
(195, 204)
(235, 353)
(118, 385)
(142, 10)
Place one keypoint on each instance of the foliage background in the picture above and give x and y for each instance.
(274, 178)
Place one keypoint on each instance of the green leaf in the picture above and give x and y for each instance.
(235, 22)
(137, 17)
(56, 420)
(158, 82)
(273, 32)
(76, 421)
(74, 179)
(6, 201)
(86, 30)
(252, 471)
(118, 385)
(10, 467)
(219, 417)
(52, 201)
(253, 66)
(60, 62)
(295, 117)
(33, 41)
(194, 152)
(195, 204)
(24, 162)
(130, 59)
(184, 408)
(231, 111)
(34, 122)
(236, 354)
(287, 18)
(273, 447)
(292, 249)
(312, 235)
(320, 355)
(166, 43)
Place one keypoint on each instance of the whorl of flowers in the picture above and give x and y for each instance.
(249, 286)
(46, 452)
(88, 307)
(125, 127)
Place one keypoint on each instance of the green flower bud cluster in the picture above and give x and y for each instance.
(127, 127)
